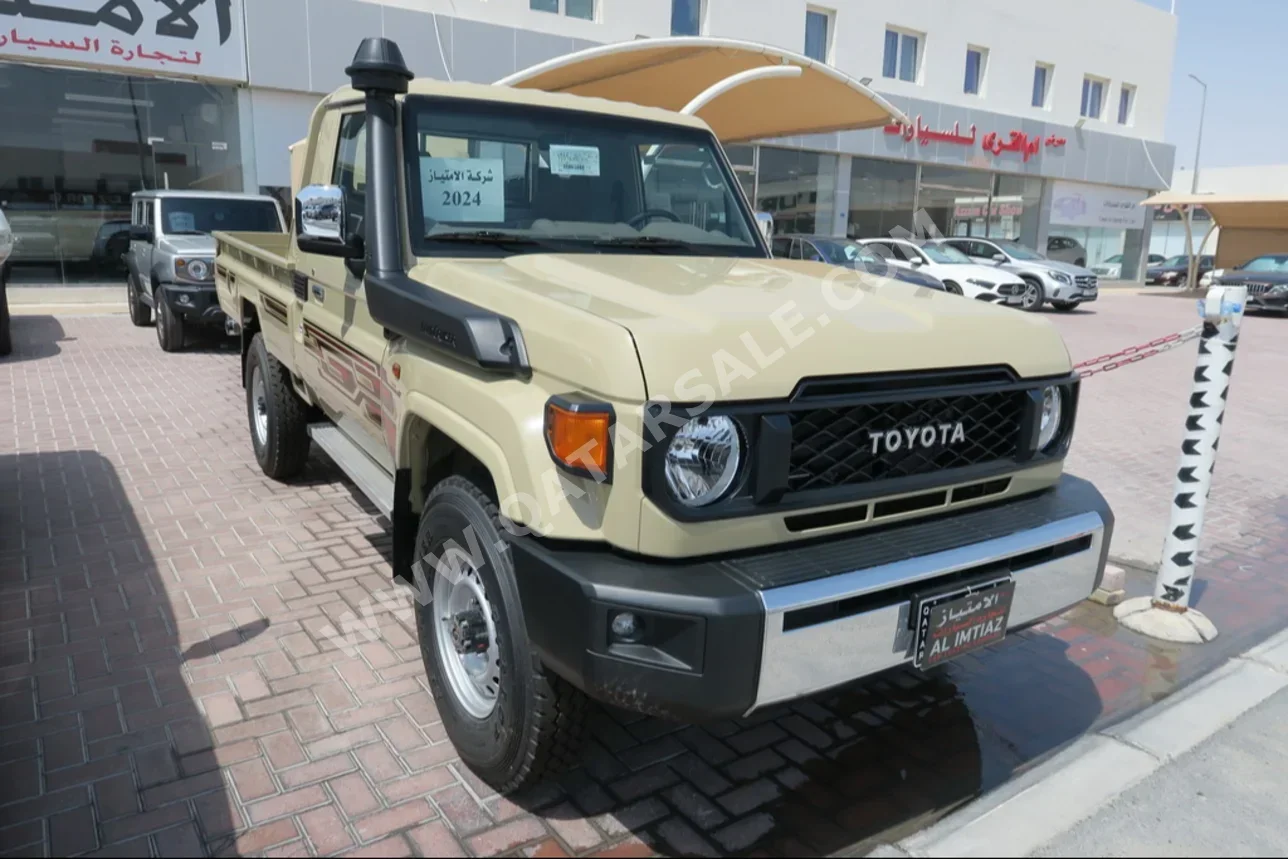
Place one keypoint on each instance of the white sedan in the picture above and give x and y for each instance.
(959, 273)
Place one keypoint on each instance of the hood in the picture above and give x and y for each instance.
(188, 245)
(1235, 277)
(745, 329)
(1055, 265)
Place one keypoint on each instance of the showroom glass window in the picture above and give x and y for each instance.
(74, 146)
(686, 17)
(955, 199)
(1016, 209)
(798, 188)
(816, 26)
(900, 60)
(882, 197)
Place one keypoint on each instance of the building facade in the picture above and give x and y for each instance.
(1029, 121)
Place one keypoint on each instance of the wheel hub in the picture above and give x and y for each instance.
(469, 632)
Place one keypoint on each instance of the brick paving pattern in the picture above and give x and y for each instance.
(167, 687)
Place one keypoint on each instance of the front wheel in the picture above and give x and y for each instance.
(1033, 295)
(1064, 306)
(952, 287)
(170, 328)
(511, 720)
(278, 417)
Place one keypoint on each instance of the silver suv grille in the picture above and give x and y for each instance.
(1085, 282)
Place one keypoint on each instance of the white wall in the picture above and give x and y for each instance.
(278, 120)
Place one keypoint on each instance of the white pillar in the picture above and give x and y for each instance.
(1167, 615)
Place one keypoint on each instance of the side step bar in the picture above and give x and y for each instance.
(375, 483)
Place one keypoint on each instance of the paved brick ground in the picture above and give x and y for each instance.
(166, 688)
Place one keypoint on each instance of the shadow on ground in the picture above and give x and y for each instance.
(104, 746)
(34, 337)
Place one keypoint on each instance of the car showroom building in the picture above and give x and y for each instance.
(1026, 123)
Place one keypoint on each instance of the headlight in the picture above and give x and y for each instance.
(194, 269)
(1051, 407)
(1061, 277)
(702, 460)
(980, 282)
(1216, 274)
(1279, 290)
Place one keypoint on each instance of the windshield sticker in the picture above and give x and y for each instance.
(463, 189)
(181, 222)
(574, 160)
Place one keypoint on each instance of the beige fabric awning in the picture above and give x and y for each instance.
(1232, 211)
(671, 73)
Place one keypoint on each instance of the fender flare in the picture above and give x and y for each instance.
(471, 437)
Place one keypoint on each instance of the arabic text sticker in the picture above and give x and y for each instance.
(574, 160)
(181, 222)
(463, 189)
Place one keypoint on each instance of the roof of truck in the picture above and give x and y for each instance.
(539, 98)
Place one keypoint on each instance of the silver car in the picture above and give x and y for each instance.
(6, 248)
(1062, 284)
(171, 261)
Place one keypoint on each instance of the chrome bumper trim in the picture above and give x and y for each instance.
(799, 662)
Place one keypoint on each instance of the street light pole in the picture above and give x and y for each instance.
(1193, 268)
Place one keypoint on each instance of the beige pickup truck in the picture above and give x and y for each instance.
(626, 454)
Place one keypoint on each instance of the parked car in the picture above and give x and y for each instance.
(1065, 249)
(110, 246)
(6, 250)
(1173, 270)
(848, 253)
(1112, 268)
(697, 560)
(170, 265)
(1266, 278)
(1065, 286)
(960, 274)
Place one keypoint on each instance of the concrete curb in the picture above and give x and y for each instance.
(1053, 797)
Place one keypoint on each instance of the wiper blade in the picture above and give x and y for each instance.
(482, 237)
(650, 242)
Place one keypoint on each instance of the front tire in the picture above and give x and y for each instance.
(952, 287)
(278, 417)
(170, 328)
(1034, 295)
(140, 313)
(512, 720)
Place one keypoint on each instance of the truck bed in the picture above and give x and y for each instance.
(253, 248)
(255, 278)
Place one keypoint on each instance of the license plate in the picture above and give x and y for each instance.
(959, 623)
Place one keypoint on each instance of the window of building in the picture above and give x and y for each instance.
(1093, 97)
(817, 34)
(686, 17)
(882, 197)
(1126, 102)
(902, 54)
(1042, 85)
(572, 8)
(976, 62)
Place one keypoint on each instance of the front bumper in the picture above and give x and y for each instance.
(1057, 291)
(1269, 303)
(196, 303)
(725, 637)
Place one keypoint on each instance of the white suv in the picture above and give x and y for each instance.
(1062, 284)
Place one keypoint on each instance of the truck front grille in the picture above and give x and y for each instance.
(861, 444)
(1258, 288)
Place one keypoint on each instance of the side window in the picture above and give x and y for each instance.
(881, 250)
(782, 248)
(905, 253)
(796, 249)
(149, 206)
(979, 249)
(350, 171)
(811, 253)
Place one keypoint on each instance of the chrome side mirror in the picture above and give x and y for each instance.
(319, 213)
(765, 222)
(999, 257)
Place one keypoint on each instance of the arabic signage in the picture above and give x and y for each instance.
(463, 190)
(992, 142)
(1076, 205)
(202, 38)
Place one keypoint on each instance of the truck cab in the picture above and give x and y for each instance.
(626, 454)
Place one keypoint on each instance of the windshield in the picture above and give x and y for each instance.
(195, 215)
(945, 254)
(1177, 260)
(1115, 258)
(498, 179)
(844, 252)
(1020, 251)
(1277, 263)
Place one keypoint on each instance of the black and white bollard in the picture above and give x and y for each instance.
(1167, 614)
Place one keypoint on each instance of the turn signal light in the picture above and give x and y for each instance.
(578, 437)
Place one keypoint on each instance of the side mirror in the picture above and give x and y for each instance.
(916, 262)
(319, 222)
(765, 221)
(142, 233)
(999, 257)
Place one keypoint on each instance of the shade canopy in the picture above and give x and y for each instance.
(1248, 211)
(671, 73)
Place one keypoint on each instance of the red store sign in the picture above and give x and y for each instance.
(992, 142)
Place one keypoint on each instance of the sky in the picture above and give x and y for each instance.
(1239, 48)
